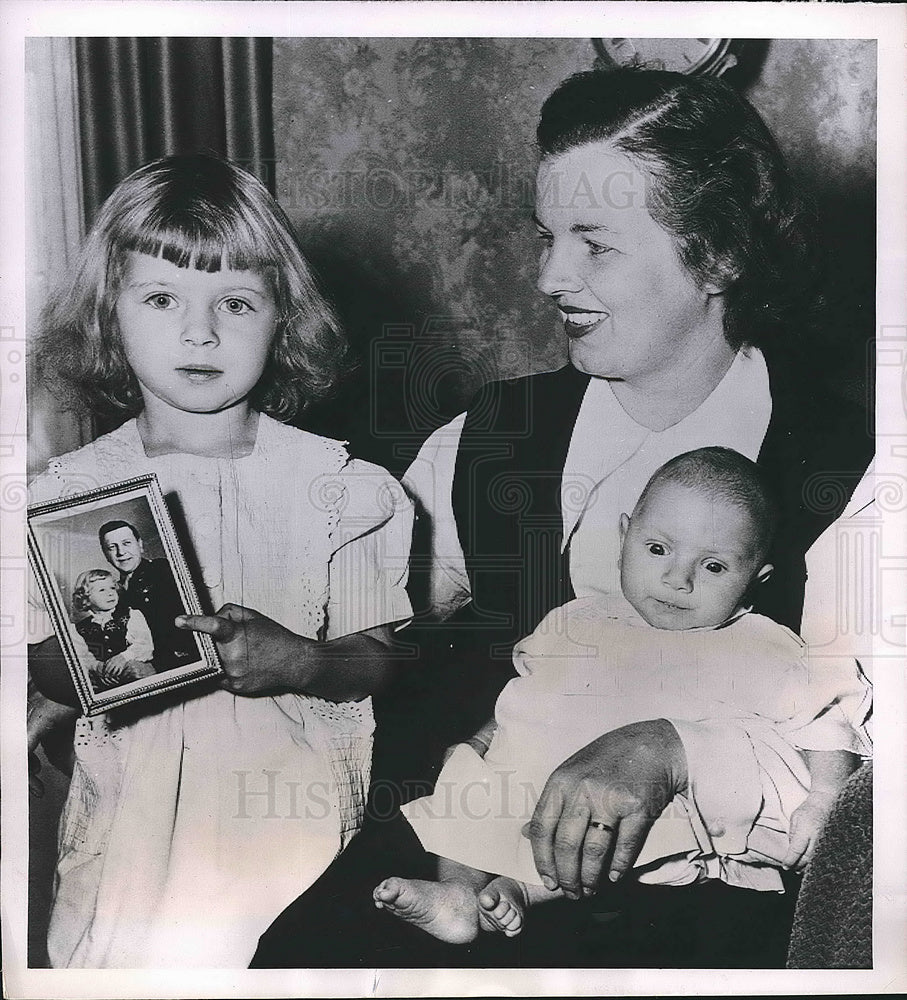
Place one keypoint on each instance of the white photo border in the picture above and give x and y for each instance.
(529, 18)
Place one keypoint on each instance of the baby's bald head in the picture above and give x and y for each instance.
(723, 475)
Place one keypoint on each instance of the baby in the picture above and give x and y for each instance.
(681, 644)
(116, 641)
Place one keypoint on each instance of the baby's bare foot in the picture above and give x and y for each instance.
(502, 904)
(448, 911)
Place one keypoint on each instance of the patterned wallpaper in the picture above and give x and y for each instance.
(407, 166)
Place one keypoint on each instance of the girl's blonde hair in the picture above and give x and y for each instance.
(80, 600)
(199, 211)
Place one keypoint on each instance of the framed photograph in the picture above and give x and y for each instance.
(113, 578)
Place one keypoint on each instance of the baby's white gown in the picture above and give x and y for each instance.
(592, 666)
(189, 829)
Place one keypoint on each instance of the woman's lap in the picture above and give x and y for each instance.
(336, 925)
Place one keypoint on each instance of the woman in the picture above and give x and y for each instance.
(679, 258)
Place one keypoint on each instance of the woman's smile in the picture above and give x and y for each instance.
(579, 322)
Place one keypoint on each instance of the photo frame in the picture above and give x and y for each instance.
(113, 576)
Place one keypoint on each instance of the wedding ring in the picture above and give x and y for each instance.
(598, 825)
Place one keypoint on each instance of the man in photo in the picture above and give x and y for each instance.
(149, 587)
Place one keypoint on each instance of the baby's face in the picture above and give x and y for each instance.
(687, 559)
(102, 595)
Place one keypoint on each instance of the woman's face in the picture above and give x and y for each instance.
(630, 308)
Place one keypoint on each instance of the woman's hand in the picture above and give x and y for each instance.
(602, 802)
(261, 656)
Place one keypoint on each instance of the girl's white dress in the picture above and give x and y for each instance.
(594, 665)
(188, 829)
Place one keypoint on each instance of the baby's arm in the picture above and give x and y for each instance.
(828, 770)
(479, 741)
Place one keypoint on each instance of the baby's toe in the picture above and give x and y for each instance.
(499, 912)
(490, 900)
(386, 891)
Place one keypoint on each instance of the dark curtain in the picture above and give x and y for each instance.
(140, 98)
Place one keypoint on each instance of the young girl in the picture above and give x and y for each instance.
(679, 644)
(117, 640)
(191, 824)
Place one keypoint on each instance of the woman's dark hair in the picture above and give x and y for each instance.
(718, 184)
(198, 211)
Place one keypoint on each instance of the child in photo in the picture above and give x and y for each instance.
(679, 643)
(116, 641)
(191, 822)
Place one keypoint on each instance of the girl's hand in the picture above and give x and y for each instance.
(257, 654)
(49, 724)
(115, 667)
(120, 669)
(104, 679)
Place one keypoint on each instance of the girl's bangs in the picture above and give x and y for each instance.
(200, 245)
